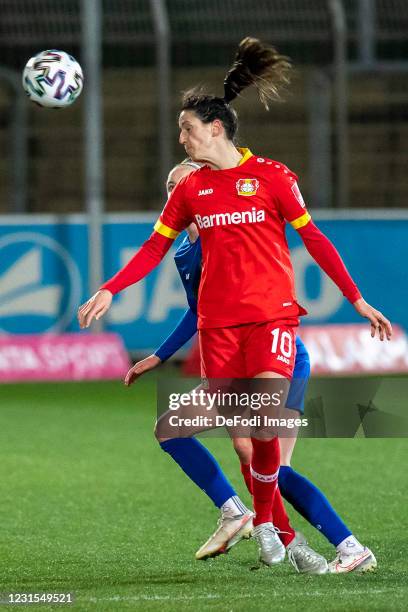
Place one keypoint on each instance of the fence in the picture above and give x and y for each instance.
(202, 39)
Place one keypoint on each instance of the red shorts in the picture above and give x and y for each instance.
(247, 350)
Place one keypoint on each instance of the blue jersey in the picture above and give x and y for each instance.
(188, 259)
(188, 262)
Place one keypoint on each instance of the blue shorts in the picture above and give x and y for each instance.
(301, 375)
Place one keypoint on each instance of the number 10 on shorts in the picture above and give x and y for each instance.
(282, 343)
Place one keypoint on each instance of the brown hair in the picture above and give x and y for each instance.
(255, 63)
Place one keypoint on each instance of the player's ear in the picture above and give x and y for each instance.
(217, 127)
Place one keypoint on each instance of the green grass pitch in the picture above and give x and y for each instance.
(90, 504)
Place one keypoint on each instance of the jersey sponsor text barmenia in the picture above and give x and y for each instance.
(234, 218)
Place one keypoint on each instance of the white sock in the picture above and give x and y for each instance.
(349, 546)
(233, 507)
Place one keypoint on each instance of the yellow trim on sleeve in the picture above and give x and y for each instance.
(301, 221)
(164, 230)
(246, 154)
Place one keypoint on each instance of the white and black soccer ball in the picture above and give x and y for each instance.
(53, 79)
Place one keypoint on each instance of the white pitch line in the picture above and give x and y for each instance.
(254, 595)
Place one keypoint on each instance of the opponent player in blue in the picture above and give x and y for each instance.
(201, 467)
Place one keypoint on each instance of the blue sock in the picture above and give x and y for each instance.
(310, 502)
(201, 467)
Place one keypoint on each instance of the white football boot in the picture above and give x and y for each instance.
(362, 561)
(230, 531)
(304, 559)
(271, 549)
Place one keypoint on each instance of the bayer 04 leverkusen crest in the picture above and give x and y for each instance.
(247, 186)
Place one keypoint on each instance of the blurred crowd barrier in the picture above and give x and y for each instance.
(52, 357)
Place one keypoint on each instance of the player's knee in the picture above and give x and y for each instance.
(285, 454)
(287, 446)
(160, 437)
(285, 462)
(243, 448)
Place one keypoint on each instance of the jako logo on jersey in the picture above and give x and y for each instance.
(235, 218)
(282, 358)
(205, 192)
(247, 187)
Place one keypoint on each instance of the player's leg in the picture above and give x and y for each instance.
(202, 468)
(273, 345)
(235, 522)
(309, 501)
(269, 356)
(302, 494)
(302, 556)
(204, 471)
(264, 472)
(306, 498)
(243, 448)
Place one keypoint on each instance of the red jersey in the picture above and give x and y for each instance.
(240, 212)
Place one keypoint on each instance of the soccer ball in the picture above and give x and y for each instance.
(53, 79)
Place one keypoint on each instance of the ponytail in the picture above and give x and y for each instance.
(257, 64)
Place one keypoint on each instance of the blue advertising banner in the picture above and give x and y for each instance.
(44, 275)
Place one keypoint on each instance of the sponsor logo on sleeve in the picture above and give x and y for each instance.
(298, 195)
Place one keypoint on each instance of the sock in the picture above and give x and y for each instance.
(201, 467)
(246, 472)
(310, 502)
(264, 471)
(233, 507)
(350, 546)
(281, 520)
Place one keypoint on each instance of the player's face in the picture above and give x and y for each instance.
(176, 175)
(195, 136)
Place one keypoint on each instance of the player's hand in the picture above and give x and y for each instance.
(379, 323)
(141, 367)
(94, 308)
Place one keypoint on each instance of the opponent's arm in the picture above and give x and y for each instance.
(185, 329)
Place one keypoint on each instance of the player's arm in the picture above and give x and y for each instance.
(170, 223)
(182, 333)
(184, 330)
(325, 254)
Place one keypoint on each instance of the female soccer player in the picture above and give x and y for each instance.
(304, 496)
(240, 203)
(194, 459)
